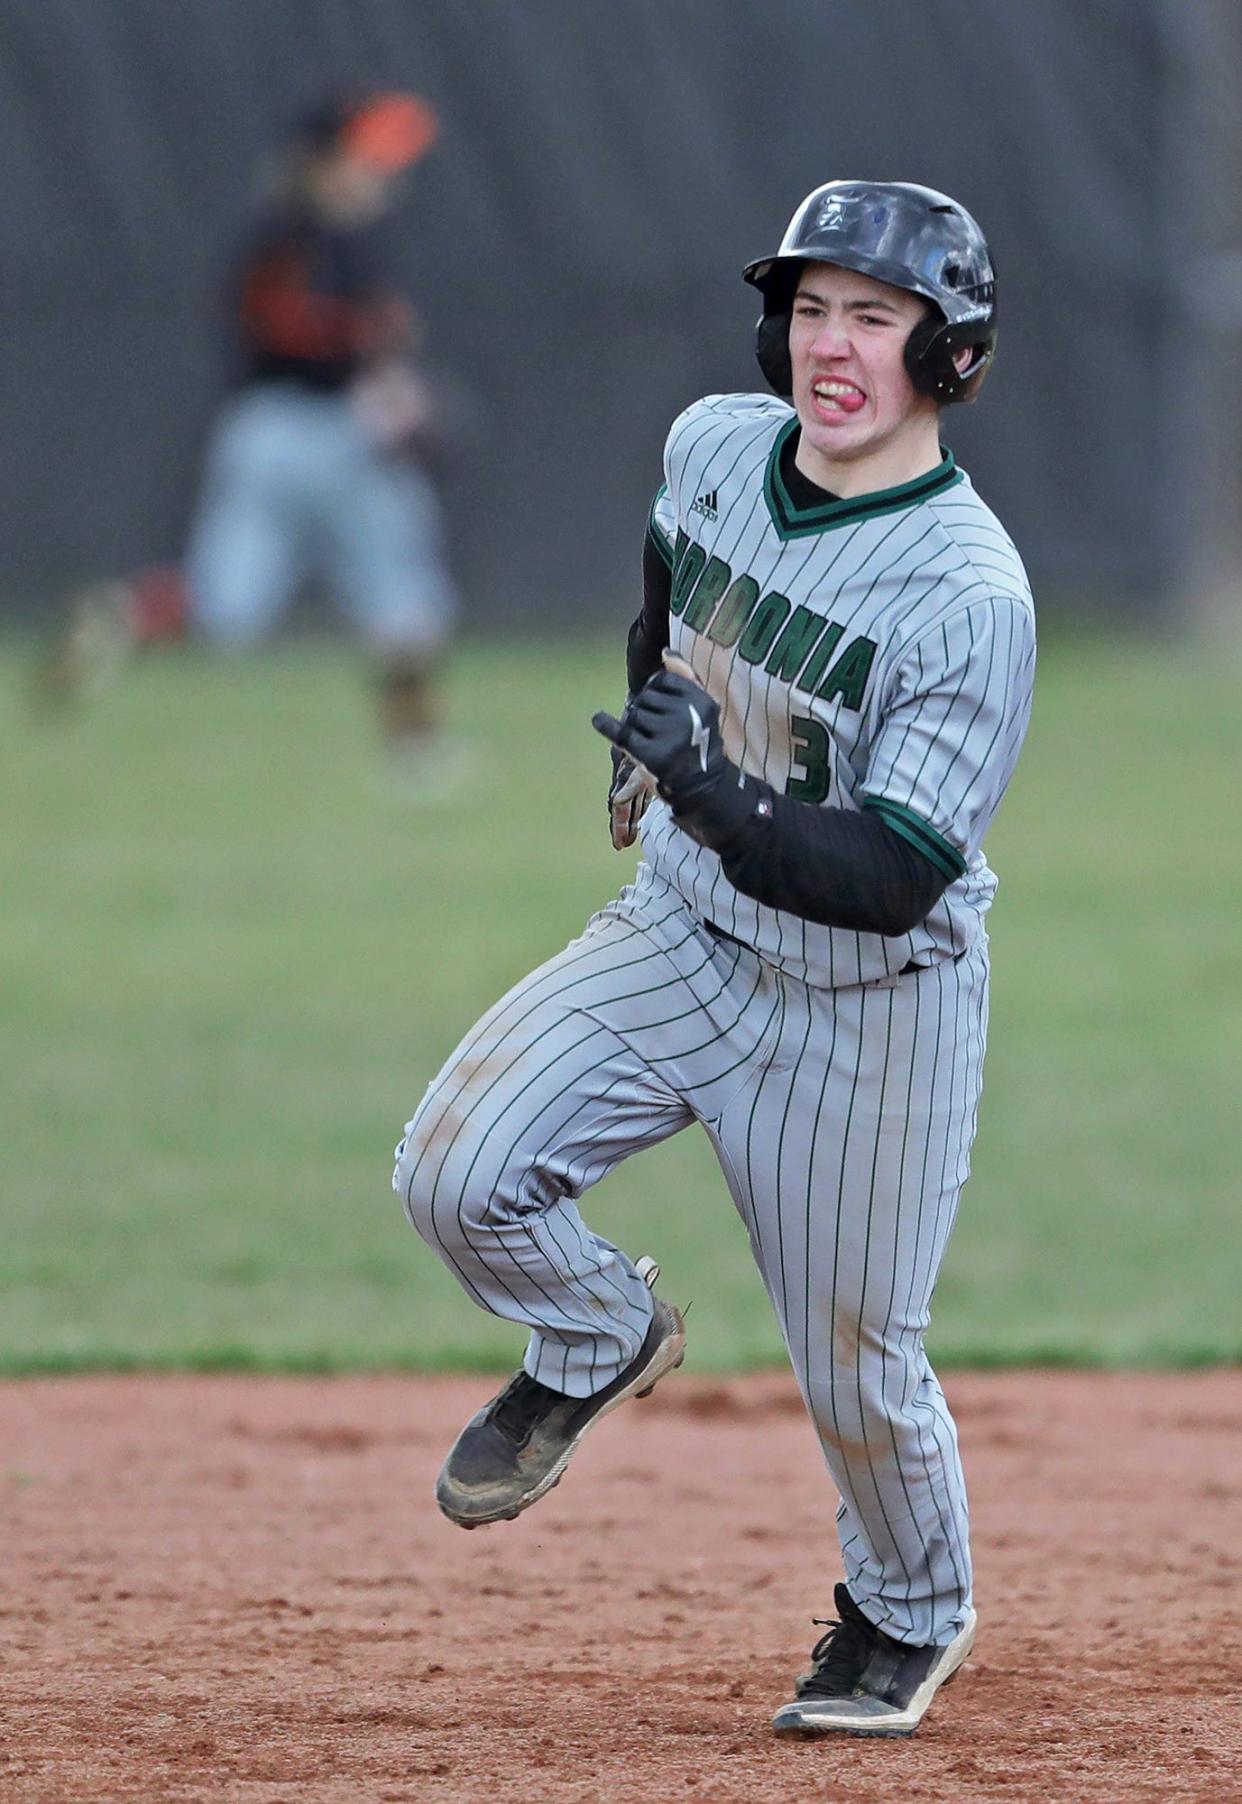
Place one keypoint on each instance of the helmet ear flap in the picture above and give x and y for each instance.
(772, 350)
(931, 359)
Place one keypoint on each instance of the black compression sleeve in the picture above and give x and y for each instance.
(649, 633)
(824, 864)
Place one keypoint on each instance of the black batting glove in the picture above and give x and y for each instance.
(672, 727)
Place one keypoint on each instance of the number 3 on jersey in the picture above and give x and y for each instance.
(811, 746)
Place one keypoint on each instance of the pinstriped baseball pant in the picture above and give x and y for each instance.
(842, 1120)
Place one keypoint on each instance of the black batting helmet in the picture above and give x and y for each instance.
(909, 237)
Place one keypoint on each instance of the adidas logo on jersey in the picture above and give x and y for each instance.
(705, 505)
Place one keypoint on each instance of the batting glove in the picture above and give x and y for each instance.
(672, 727)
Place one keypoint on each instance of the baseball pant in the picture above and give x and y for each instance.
(295, 488)
(842, 1120)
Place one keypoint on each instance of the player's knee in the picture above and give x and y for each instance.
(463, 1174)
(414, 1180)
(454, 1203)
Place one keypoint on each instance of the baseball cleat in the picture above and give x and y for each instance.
(862, 1682)
(517, 1447)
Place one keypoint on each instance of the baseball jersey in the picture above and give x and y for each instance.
(313, 300)
(872, 652)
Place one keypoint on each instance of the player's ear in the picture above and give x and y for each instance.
(962, 358)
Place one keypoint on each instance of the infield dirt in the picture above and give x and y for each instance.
(240, 1590)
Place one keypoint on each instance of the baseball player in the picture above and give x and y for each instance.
(315, 464)
(830, 679)
(310, 464)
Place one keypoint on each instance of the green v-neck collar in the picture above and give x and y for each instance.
(794, 522)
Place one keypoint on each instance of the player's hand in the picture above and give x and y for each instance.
(672, 727)
(629, 793)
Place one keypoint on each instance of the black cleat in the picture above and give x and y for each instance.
(862, 1682)
(516, 1448)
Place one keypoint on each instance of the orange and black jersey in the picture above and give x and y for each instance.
(313, 302)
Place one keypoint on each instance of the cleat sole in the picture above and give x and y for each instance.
(678, 1361)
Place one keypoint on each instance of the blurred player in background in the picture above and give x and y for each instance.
(316, 464)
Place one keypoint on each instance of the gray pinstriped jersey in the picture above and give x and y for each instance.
(876, 652)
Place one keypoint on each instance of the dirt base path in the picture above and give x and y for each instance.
(233, 1589)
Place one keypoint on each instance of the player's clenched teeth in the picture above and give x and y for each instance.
(842, 396)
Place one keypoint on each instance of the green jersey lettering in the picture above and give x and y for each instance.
(789, 653)
(734, 611)
(848, 676)
(689, 568)
(710, 587)
(765, 623)
(820, 658)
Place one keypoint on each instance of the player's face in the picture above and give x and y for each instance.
(850, 387)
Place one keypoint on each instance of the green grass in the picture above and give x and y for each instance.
(233, 956)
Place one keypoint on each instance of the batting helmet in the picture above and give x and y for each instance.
(909, 237)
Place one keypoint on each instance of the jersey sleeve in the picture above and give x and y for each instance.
(956, 708)
(677, 446)
(697, 433)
